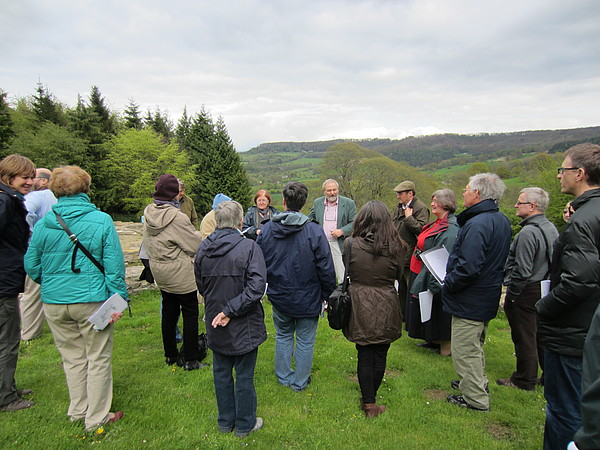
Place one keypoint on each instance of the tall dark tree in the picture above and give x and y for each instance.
(133, 116)
(6, 124)
(105, 118)
(160, 123)
(182, 131)
(46, 107)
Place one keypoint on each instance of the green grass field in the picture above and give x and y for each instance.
(168, 407)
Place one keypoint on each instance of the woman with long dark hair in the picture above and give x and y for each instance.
(376, 262)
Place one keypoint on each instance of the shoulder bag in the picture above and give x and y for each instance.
(339, 305)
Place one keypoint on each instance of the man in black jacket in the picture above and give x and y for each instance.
(231, 275)
(473, 285)
(565, 314)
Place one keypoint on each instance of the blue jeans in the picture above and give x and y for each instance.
(236, 401)
(562, 389)
(305, 330)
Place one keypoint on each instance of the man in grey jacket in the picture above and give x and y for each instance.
(528, 263)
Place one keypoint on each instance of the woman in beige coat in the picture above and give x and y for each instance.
(171, 242)
(376, 262)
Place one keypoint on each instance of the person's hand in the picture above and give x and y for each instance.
(337, 233)
(220, 320)
(115, 317)
(408, 212)
(257, 232)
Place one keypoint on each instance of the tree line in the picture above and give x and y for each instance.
(124, 152)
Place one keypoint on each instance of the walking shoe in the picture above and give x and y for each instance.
(170, 360)
(456, 383)
(194, 365)
(508, 383)
(257, 426)
(372, 409)
(429, 345)
(22, 392)
(459, 400)
(225, 430)
(17, 405)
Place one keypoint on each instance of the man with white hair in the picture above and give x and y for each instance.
(473, 285)
(527, 265)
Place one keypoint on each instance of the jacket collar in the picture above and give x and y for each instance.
(481, 207)
(583, 198)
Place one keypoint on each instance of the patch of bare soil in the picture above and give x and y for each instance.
(435, 394)
(501, 431)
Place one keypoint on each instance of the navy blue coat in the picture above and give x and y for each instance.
(14, 237)
(299, 265)
(231, 275)
(473, 283)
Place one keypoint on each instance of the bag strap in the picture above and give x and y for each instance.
(547, 248)
(347, 266)
(78, 245)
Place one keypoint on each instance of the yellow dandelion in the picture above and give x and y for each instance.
(100, 430)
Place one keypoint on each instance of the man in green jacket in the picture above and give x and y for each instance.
(335, 214)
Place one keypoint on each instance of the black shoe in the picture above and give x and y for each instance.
(459, 400)
(456, 383)
(171, 360)
(429, 345)
(194, 365)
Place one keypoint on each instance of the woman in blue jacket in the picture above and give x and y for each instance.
(73, 288)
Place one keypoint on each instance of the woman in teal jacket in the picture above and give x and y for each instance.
(73, 288)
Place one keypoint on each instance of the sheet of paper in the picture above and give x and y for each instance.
(100, 318)
(435, 260)
(425, 304)
(545, 287)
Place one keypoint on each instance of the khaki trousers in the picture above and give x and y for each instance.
(338, 263)
(32, 311)
(468, 337)
(86, 356)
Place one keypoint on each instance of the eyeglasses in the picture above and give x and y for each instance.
(523, 203)
(562, 170)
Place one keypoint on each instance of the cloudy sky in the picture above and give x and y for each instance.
(304, 70)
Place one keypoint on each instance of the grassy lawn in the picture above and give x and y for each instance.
(169, 408)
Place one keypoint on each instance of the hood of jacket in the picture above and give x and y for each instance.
(71, 208)
(158, 217)
(288, 222)
(585, 197)
(481, 207)
(222, 241)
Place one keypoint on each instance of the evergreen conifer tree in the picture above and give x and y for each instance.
(46, 108)
(133, 118)
(6, 124)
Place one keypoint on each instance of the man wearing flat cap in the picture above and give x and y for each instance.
(410, 216)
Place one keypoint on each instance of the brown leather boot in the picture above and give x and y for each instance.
(372, 409)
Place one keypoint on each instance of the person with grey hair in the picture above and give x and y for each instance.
(473, 285)
(231, 275)
(335, 214)
(442, 232)
(527, 265)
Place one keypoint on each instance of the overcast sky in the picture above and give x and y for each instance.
(288, 70)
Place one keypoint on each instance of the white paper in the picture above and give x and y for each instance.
(100, 318)
(545, 287)
(435, 260)
(425, 304)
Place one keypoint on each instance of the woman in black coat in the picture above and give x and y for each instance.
(257, 215)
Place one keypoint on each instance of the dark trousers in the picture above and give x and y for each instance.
(370, 369)
(562, 389)
(236, 400)
(10, 337)
(521, 316)
(171, 306)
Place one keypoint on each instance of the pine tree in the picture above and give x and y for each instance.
(132, 115)
(6, 124)
(182, 131)
(46, 108)
(105, 118)
(160, 123)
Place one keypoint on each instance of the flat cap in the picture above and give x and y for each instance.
(405, 186)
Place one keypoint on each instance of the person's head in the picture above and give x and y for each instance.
(580, 169)
(262, 199)
(374, 221)
(167, 188)
(483, 186)
(229, 214)
(532, 201)
(41, 180)
(17, 172)
(294, 196)
(69, 180)
(331, 189)
(405, 192)
(443, 202)
(181, 189)
(218, 199)
(568, 212)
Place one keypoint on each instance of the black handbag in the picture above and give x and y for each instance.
(202, 350)
(339, 304)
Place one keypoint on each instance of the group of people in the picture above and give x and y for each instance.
(551, 282)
